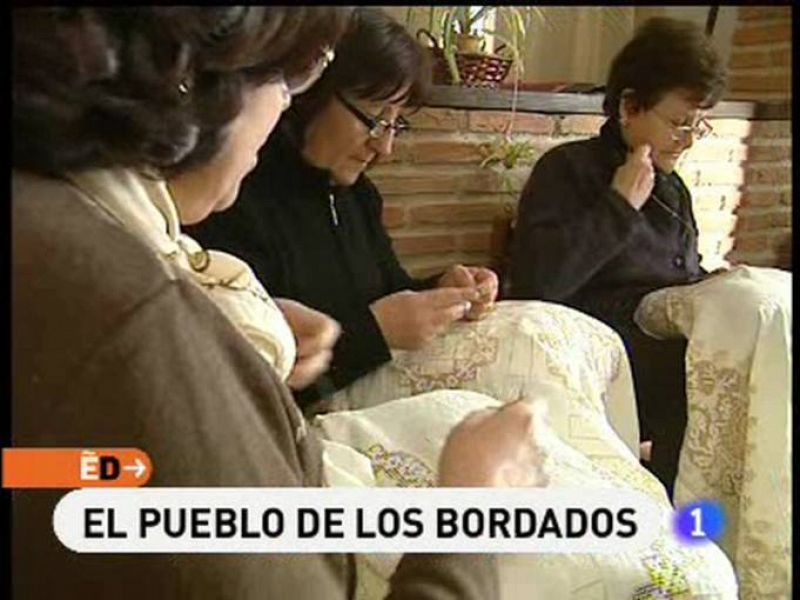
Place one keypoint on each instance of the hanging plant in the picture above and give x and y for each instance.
(507, 152)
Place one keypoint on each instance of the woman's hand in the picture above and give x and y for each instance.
(409, 320)
(482, 280)
(634, 180)
(316, 333)
(495, 448)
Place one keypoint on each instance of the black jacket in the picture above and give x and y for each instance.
(580, 243)
(319, 244)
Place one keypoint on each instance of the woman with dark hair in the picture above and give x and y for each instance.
(311, 225)
(309, 220)
(128, 122)
(606, 226)
(602, 222)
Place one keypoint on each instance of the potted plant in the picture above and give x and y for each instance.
(458, 36)
(460, 22)
(461, 39)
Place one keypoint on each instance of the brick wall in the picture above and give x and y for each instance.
(439, 202)
(761, 54)
(760, 69)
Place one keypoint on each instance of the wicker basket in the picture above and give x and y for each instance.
(475, 70)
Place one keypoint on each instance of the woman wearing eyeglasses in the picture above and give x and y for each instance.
(309, 220)
(127, 123)
(604, 221)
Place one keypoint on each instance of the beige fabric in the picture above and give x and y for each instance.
(554, 355)
(577, 368)
(144, 207)
(517, 348)
(397, 444)
(738, 442)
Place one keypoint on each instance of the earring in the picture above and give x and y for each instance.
(184, 87)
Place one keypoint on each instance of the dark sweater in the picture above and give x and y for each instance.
(319, 244)
(578, 242)
(110, 350)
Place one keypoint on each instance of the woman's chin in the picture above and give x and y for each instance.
(667, 164)
(227, 201)
(346, 177)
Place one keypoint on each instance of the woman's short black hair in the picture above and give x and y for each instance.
(148, 87)
(665, 55)
(375, 60)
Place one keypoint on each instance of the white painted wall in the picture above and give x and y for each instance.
(577, 43)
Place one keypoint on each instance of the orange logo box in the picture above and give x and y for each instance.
(75, 467)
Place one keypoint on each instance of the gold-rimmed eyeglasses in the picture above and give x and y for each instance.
(680, 133)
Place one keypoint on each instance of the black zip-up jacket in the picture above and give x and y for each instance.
(578, 242)
(317, 243)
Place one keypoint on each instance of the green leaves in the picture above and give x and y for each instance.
(507, 152)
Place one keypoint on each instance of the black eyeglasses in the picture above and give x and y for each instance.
(377, 127)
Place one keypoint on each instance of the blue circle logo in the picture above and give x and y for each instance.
(700, 522)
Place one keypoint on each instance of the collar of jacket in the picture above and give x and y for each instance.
(611, 138)
(283, 153)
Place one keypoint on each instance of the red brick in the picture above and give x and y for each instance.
(497, 121)
(758, 83)
(393, 216)
(740, 96)
(581, 124)
(769, 153)
(781, 57)
(763, 34)
(781, 241)
(482, 180)
(754, 259)
(761, 13)
(761, 199)
(401, 150)
(756, 222)
(401, 183)
(768, 175)
(782, 219)
(751, 243)
(770, 130)
(439, 118)
(416, 199)
(417, 181)
(454, 213)
(748, 60)
(476, 241)
(423, 244)
(444, 151)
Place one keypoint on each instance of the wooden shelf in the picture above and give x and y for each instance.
(451, 96)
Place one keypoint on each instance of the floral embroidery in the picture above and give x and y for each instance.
(400, 468)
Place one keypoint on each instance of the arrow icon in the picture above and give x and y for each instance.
(138, 469)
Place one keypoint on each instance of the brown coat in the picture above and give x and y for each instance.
(109, 349)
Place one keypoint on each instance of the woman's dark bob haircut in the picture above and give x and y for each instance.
(377, 59)
(665, 55)
(151, 88)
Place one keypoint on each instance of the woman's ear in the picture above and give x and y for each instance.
(627, 105)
